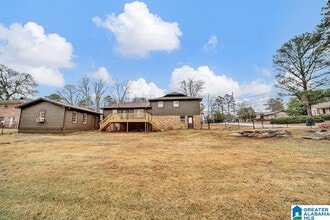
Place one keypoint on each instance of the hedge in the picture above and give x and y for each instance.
(299, 119)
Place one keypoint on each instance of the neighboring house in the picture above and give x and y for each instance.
(46, 116)
(9, 114)
(321, 108)
(271, 115)
(172, 111)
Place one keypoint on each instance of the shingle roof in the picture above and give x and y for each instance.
(20, 101)
(175, 96)
(322, 105)
(64, 105)
(128, 105)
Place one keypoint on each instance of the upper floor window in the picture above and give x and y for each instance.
(85, 118)
(5, 106)
(176, 104)
(74, 117)
(160, 104)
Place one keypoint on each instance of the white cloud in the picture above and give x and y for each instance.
(211, 44)
(102, 73)
(29, 49)
(217, 84)
(264, 71)
(138, 32)
(256, 87)
(140, 88)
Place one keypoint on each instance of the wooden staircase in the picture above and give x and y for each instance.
(128, 118)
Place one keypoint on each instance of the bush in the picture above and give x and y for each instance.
(325, 117)
(297, 120)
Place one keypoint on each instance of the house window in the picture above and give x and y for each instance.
(114, 111)
(74, 117)
(5, 106)
(182, 119)
(85, 118)
(2, 121)
(42, 114)
(138, 113)
(160, 104)
(176, 104)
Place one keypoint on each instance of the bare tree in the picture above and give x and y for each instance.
(14, 85)
(209, 104)
(139, 99)
(192, 87)
(99, 89)
(121, 91)
(85, 93)
(69, 94)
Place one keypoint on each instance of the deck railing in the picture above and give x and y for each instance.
(126, 117)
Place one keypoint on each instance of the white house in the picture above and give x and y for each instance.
(321, 108)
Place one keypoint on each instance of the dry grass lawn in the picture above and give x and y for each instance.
(164, 175)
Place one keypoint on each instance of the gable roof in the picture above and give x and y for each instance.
(175, 96)
(128, 105)
(63, 105)
(273, 113)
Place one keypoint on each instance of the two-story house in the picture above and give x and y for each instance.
(172, 111)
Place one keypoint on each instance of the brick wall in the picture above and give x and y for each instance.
(170, 122)
(8, 111)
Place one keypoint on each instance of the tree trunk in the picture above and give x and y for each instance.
(308, 105)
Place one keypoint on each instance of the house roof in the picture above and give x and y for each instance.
(128, 105)
(63, 105)
(175, 96)
(20, 101)
(270, 113)
(322, 105)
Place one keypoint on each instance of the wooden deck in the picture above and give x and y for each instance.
(126, 118)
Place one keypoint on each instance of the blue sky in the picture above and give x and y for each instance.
(154, 44)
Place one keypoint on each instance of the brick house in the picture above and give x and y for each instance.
(170, 112)
(9, 114)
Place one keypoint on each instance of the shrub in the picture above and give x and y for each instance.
(297, 119)
(325, 117)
